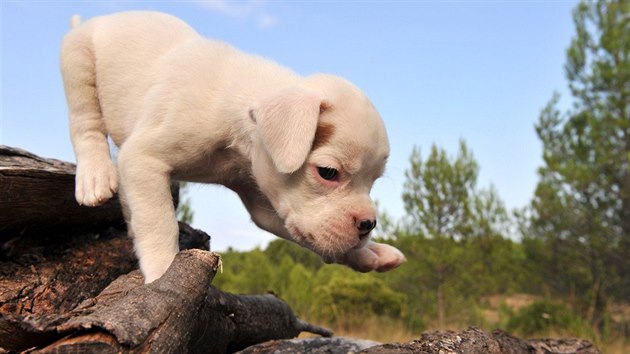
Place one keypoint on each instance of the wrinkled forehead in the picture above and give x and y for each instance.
(360, 125)
(356, 133)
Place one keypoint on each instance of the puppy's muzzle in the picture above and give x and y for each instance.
(365, 227)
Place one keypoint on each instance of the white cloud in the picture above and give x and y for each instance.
(230, 8)
(267, 21)
(242, 10)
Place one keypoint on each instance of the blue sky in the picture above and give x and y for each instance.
(438, 72)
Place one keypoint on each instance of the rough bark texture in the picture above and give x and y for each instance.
(38, 193)
(476, 341)
(68, 284)
(178, 313)
(46, 276)
(334, 345)
(469, 341)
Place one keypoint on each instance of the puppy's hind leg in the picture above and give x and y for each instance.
(96, 178)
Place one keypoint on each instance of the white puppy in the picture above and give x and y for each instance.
(302, 153)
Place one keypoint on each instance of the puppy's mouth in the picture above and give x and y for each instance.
(364, 238)
(363, 235)
(326, 245)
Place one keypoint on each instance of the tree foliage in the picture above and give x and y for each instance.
(437, 191)
(581, 207)
(184, 210)
(456, 240)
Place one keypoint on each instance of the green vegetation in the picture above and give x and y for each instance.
(184, 211)
(560, 266)
(546, 317)
(579, 231)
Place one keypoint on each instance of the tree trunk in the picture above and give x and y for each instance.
(440, 298)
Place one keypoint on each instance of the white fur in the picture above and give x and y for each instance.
(187, 108)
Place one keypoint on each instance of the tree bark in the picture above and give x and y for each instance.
(38, 194)
(47, 275)
(178, 313)
(440, 296)
(469, 341)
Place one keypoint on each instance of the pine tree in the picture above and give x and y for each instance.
(581, 207)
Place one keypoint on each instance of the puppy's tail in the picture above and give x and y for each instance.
(75, 21)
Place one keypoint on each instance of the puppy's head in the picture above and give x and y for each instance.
(319, 148)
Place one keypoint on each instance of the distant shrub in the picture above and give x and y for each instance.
(544, 317)
(357, 297)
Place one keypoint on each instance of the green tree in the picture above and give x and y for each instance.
(437, 192)
(437, 195)
(184, 211)
(245, 272)
(494, 260)
(300, 291)
(278, 249)
(347, 298)
(581, 208)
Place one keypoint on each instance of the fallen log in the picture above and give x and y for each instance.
(38, 194)
(475, 341)
(47, 275)
(469, 341)
(178, 313)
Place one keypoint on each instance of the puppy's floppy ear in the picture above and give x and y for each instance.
(287, 123)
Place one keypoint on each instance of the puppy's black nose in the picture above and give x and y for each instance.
(365, 226)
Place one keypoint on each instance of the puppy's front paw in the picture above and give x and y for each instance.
(96, 182)
(375, 256)
(389, 257)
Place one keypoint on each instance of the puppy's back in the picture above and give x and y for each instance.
(121, 51)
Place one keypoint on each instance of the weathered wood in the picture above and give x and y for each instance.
(177, 313)
(469, 341)
(45, 276)
(38, 193)
(242, 317)
(475, 341)
(334, 345)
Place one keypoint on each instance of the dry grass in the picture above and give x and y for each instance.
(387, 330)
(619, 346)
(382, 330)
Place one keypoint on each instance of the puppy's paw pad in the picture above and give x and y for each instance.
(389, 257)
(362, 260)
(391, 264)
(95, 184)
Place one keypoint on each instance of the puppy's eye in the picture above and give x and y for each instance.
(328, 173)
